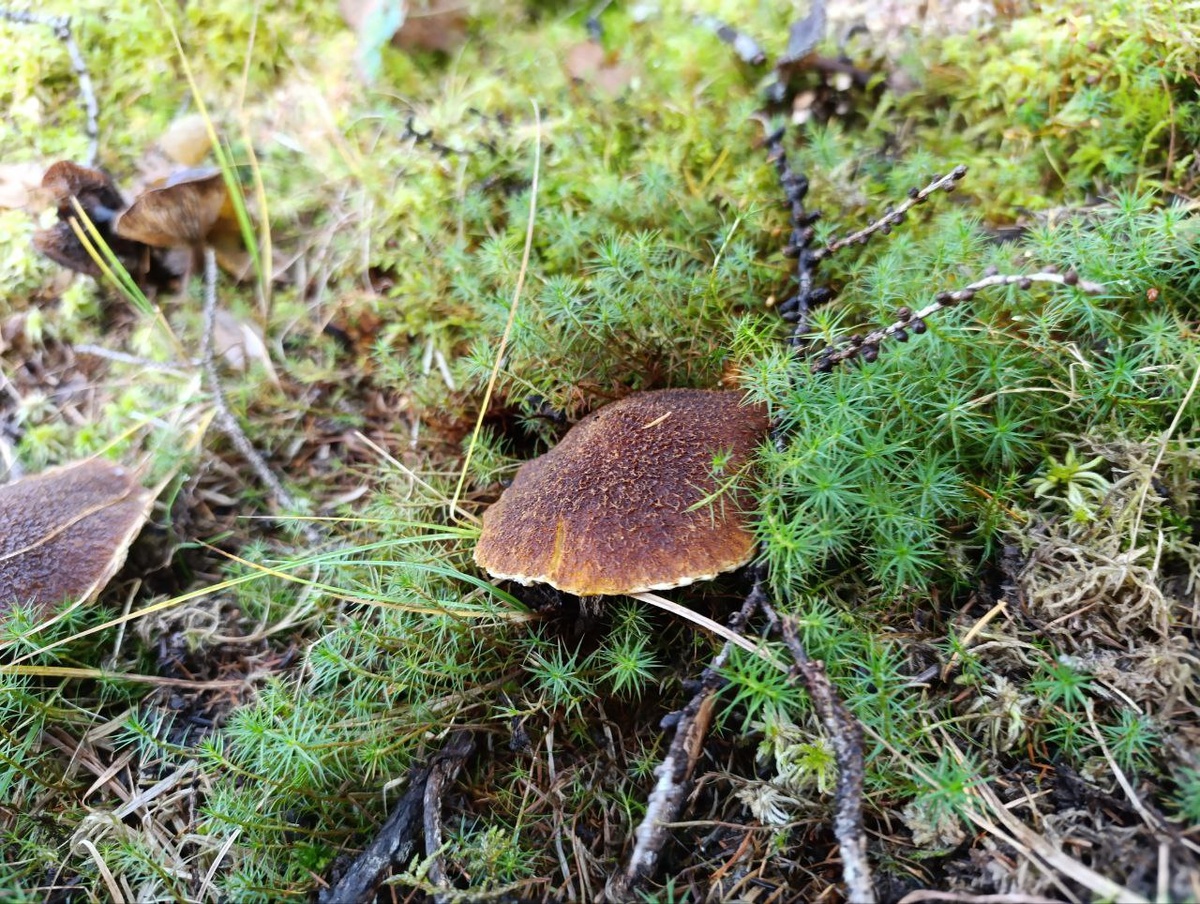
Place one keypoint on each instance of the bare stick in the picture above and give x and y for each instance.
(845, 734)
(674, 772)
(61, 26)
(225, 419)
(444, 770)
(909, 321)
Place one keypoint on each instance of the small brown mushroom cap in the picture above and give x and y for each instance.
(186, 209)
(628, 501)
(94, 188)
(65, 532)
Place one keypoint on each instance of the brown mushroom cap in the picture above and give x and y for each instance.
(64, 533)
(186, 209)
(628, 501)
(94, 188)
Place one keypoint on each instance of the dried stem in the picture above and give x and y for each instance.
(845, 734)
(674, 772)
(909, 321)
(225, 419)
(61, 26)
(96, 351)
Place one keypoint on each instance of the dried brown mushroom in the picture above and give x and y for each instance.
(647, 493)
(60, 244)
(102, 202)
(65, 532)
(190, 208)
(95, 190)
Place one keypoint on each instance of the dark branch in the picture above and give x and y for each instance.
(797, 309)
(395, 844)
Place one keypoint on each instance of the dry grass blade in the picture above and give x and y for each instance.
(512, 310)
(708, 624)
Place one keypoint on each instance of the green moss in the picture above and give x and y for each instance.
(657, 241)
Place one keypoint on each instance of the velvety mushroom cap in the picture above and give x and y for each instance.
(184, 210)
(629, 500)
(64, 533)
(94, 188)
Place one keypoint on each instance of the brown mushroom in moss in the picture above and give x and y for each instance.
(95, 190)
(185, 209)
(647, 493)
(189, 209)
(65, 532)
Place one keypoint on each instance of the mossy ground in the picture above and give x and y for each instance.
(291, 688)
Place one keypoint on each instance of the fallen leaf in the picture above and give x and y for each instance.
(20, 184)
(186, 140)
(240, 343)
(588, 63)
(439, 25)
(436, 25)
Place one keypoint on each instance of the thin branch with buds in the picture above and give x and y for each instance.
(798, 308)
(893, 216)
(909, 321)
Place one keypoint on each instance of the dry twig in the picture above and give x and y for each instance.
(909, 321)
(61, 26)
(845, 735)
(674, 772)
(893, 216)
(395, 843)
(225, 419)
(444, 769)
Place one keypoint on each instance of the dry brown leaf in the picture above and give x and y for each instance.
(435, 25)
(186, 140)
(20, 184)
(64, 533)
(423, 24)
(240, 343)
(588, 63)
